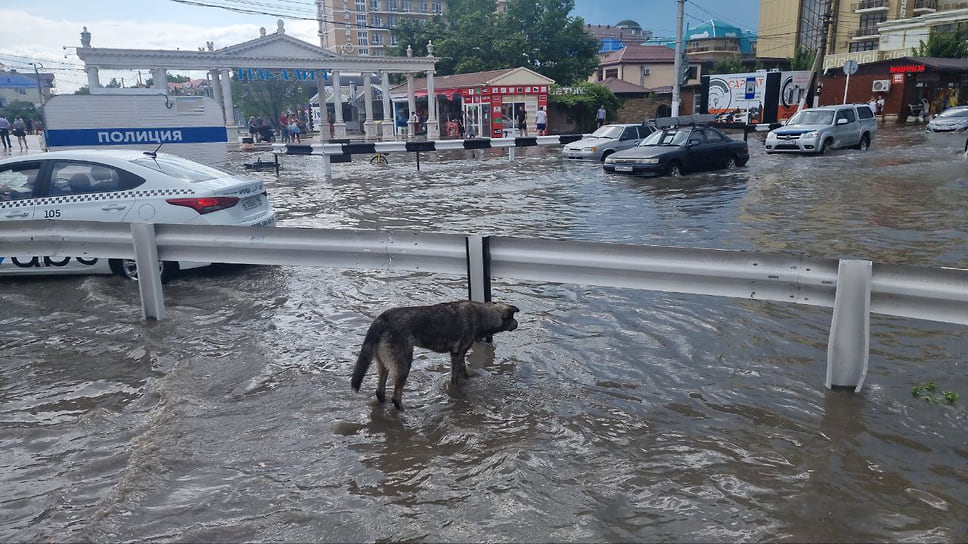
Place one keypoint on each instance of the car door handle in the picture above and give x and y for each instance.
(114, 207)
(21, 214)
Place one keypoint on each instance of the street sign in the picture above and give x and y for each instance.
(850, 67)
(750, 88)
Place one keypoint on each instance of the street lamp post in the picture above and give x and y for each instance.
(43, 103)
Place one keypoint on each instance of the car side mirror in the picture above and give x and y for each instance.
(693, 143)
(842, 121)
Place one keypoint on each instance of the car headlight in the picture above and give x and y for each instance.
(650, 161)
(591, 149)
(808, 135)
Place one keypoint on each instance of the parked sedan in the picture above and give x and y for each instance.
(950, 120)
(676, 151)
(122, 186)
(606, 140)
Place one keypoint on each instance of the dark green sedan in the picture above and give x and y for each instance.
(676, 151)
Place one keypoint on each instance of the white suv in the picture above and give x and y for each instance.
(815, 130)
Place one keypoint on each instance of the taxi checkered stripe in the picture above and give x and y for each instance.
(93, 197)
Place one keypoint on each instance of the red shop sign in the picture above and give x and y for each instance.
(907, 68)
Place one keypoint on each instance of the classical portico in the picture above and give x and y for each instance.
(275, 51)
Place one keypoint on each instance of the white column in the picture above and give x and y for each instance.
(323, 117)
(411, 105)
(369, 126)
(216, 85)
(160, 77)
(92, 79)
(389, 119)
(433, 127)
(225, 79)
(339, 128)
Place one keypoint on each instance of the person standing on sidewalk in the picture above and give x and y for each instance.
(5, 133)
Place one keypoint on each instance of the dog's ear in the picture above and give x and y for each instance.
(509, 311)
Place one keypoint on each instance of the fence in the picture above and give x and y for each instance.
(852, 288)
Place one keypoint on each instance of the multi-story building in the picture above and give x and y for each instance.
(854, 25)
(362, 27)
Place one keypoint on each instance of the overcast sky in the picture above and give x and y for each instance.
(39, 30)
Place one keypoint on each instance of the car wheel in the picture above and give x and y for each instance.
(731, 162)
(865, 143)
(824, 147)
(675, 170)
(127, 268)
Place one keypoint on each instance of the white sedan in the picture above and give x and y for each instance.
(127, 186)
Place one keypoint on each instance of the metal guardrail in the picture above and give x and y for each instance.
(852, 288)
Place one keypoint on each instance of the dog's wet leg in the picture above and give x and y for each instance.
(458, 367)
(401, 380)
(381, 388)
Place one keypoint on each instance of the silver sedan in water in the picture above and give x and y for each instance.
(606, 140)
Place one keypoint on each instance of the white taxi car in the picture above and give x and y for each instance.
(126, 186)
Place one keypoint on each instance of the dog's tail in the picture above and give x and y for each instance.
(366, 352)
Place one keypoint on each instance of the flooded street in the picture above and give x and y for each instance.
(609, 415)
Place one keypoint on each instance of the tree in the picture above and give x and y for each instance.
(583, 101)
(21, 108)
(83, 90)
(113, 84)
(802, 59)
(472, 37)
(728, 66)
(951, 45)
(172, 78)
(269, 99)
(554, 44)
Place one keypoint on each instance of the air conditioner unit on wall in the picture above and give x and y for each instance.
(882, 85)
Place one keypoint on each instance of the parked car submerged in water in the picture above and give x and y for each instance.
(676, 151)
(816, 130)
(122, 186)
(950, 120)
(606, 140)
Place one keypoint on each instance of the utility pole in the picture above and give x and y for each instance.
(817, 61)
(678, 65)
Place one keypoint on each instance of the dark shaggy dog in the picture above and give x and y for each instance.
(449, 327)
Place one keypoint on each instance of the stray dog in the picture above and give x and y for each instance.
(448, 327)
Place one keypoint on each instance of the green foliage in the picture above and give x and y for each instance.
(583, 103)
(113, 84)
(21, 108)
(728, 66)
(172, 78)
(269, 99)
(472, 37)
(952, 45)
(929, 392)
(83, 90)
(803, 59)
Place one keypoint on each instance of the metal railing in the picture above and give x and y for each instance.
(852, 288)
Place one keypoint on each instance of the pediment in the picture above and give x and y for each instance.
(276, 46)
(521, 76)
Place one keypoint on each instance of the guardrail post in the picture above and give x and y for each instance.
(848, 350)
(327, 167)
(149, 272)
(478, 268)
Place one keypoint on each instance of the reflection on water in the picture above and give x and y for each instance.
(609, 415)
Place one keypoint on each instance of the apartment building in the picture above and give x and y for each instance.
(855, 25)
(362, 27)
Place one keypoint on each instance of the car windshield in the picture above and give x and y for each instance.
(817, 117)
(608, 131)
(666, 137)
(954, 112)
(179, 168)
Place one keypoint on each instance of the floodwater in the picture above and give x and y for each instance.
(609, 415)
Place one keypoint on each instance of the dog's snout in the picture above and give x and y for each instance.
(511, 324)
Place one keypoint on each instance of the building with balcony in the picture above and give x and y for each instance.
(614, 37)
(854, 26)
(363, 27)
(649, 66)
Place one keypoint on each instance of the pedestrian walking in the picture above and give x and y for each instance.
(20, 131)
(600, 115)
(5, 133)
(522, 121)
(541, 121)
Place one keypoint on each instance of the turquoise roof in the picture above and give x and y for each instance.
(713, 29)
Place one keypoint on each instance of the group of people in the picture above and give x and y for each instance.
(19, 130)
(291, 127)
(876, 104)
(540, 121)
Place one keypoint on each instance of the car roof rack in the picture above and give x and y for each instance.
(700, 119)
